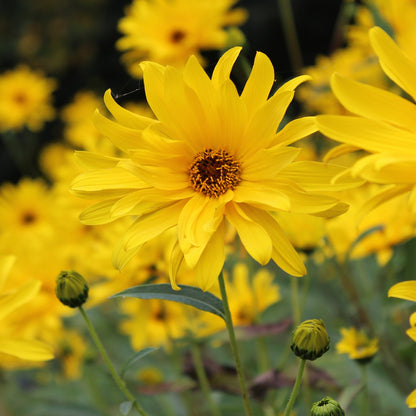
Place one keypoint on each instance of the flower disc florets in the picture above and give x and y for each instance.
(310, 339)
(214, 172)
(71, 288)
(327, 407)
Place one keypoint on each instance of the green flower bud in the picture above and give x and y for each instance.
(71, 288)
(327, 407)
(310, 339)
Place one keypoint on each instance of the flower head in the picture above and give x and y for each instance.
(25, 99)
(384, 124)
(169, 31)
(357, 345)
(210, 160)
(327, 407)
(310, 339)
(71, 288)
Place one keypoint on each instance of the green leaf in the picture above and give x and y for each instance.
(189, 295)
(135, 357)
(125, 408)
(362, 236)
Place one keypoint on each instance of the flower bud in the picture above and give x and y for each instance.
(327, 407)
(310, 339)
(71, 288)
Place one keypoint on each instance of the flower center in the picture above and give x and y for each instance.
(28, 217)
(177, 36)
(214, 172)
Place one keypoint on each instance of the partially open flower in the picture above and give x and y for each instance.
(310, 339)
(327, 407)
(71, 288)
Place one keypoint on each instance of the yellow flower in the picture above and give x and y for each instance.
(13, 344)
(385, 125)
(25, 99)
(169, 31)
(357, 345)
(211, 158)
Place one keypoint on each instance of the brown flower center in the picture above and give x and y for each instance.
(20, 98)
(28, 217)
(214, 172)
(177, 36)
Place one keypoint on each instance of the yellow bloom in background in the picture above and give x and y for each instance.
(25, 99)
(411, 399)
(385, 124)
(211, 159)
(79, 130)
(351, 62)
(12, 342)
(387, 225)
(170, 31)
(357, 345)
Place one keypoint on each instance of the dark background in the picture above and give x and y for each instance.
(73, 41)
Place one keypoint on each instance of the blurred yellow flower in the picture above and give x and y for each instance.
(212, 155)
(11, 341)
(385, 125)
(25, 99)
(357, 345)
(170, 31)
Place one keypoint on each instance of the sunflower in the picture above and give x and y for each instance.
(169, 31)
(385, 126)
(211, 158)
(357, 345)
(25, 99)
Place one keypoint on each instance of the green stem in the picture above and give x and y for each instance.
(203, 379)
(365, 401)
(296, 388)
(120, 383)
(234, 346)
(289, 29)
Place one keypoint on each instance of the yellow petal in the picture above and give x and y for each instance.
(397, 66)
(6, 263)
(151, 225)
(176, 260)
(262, 196)
(340, 150)
(90, 160)
(316, 176)
(292, 84)
(404, 290)
(254, 237)
(224, 66)
(99, 213)
(283, 254)
(107, 183)
(26, 349)
(259, 83)
(383, 196)
(262, 127)
(212, 260)
(367, 134)
(125, 117)
(411, 399)
(11, 301)
(122, 137)
(374, 103)
(295, 130)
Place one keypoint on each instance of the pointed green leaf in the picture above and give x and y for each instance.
(189, 295)
(135, 357)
